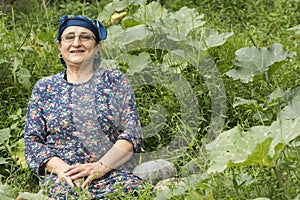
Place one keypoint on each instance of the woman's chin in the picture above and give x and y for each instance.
(77, 63)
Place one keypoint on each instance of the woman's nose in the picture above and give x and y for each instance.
(77, 41)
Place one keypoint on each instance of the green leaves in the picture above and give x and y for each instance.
(6, 192)
(260, 145)
(252, 61)
(186, 187)
(152, 27)
(34, 196)
(18, 152)
(24, 77)
(233, 147)
(3, 61)
(21, 75)
(296, 29)
(292, 110)
(150, 14)
(179, 24)
(213, 38)
(283, 132)
(4, 135)
(135, 63)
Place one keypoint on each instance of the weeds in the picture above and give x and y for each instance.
(28, 50)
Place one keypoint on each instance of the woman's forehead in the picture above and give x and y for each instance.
(76, 30)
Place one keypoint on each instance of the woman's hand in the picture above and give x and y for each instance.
(120, 153)
(58, 166)
(90, 170)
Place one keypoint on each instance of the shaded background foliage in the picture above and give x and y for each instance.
(30, 26)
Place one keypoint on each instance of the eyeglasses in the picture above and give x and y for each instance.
(70, 37)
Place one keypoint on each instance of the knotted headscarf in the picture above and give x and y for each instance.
(93, 25)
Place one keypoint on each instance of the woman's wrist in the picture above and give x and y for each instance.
(103, 168)
(100, 166)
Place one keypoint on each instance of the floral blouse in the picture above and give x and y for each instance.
(79, 122)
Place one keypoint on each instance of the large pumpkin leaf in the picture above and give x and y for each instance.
(124, 37)
(235, 146)
(179, 24)
(176, 25)
(120, 41)
(251, 61)
(117, 6)
(151, 14)
(292, 110)
(135, 63)
(283, 132)
(261, 145)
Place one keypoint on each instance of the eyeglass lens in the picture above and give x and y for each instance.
(83, 37)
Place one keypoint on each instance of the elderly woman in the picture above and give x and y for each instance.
(82, 123)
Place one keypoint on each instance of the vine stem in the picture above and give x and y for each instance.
(18, 49)
(279, 177)
(27, 35)
(242, 22)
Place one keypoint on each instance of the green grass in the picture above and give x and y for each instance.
(28, 28)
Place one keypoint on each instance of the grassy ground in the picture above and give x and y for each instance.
(260, 23)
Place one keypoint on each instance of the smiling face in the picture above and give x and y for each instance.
(77, 46)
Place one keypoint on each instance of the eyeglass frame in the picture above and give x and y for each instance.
(92, 37)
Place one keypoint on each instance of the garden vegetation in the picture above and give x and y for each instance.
(216, 83)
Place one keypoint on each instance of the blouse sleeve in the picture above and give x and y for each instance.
(128, 115)
(36, 151)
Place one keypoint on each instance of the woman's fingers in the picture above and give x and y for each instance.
(78, 174)
(77, 182)
(74, 173)
(78, 171)
(91, 177)
(62, 176)
(75, 170)
(70, 181)
(87, 181)
(71, 167)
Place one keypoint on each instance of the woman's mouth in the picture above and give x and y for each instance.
(76, 51)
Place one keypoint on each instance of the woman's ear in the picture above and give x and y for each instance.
(58, 44)
(99, 44)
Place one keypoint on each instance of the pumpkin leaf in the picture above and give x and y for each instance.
(234, 147)
(213, 38)
(252, 61)
(24, 77)
(135, 63)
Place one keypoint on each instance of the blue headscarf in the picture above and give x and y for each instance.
(93, 25)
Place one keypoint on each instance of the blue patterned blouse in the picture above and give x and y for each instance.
(80, 122)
